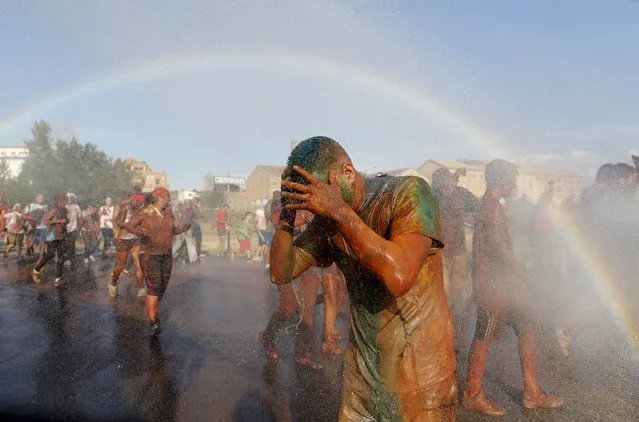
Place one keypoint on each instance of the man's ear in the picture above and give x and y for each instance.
(349, 172)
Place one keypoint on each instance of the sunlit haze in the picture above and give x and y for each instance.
(198, 86)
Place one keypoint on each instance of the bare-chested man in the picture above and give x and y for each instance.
(500, 293)
(383, 233)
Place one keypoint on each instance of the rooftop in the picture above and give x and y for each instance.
(271, 170)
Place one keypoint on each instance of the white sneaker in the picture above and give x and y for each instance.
(67, 263)
(57, 282)
(86, 260)
(92, 258)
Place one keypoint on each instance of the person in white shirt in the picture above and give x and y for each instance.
(37, 211)
(107, 212)
(260, 228)
(74, 213)
(15, 230)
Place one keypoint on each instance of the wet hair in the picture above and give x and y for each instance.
(605, 175)
(317, 155)
(499, 170)
(623, 170)
(439, 176)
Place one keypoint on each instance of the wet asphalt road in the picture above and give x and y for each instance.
(74, 354)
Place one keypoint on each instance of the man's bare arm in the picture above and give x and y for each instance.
(397, 262)
(287, 261)
(134, 226)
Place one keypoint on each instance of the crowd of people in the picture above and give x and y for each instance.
(147, 234)
(394, 248)
(399, 247)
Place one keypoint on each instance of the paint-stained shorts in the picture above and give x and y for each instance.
(157, 271)
(360, 402)
(490, 325)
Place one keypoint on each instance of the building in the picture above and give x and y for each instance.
(404, 172)
(13, 159)
(263, 181)
(532, 181)
(146, 177)
(184, 195)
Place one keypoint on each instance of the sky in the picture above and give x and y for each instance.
(201, 86)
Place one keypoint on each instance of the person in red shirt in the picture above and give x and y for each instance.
(155, 225)
(501, 295)
(222, 225)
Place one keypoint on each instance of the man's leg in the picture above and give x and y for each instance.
(330, 285)
(61, 248)
(356, 404)
(122, 255)
(489, 326)
(459, 290)
(534, 397)
(153, 271)
(309, 283)
(48, 256)
(286, 307)
(10, 244)
(139, 273)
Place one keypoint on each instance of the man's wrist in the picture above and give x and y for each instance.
(341, 215)
(288, 216)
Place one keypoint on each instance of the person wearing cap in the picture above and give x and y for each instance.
(155, 225)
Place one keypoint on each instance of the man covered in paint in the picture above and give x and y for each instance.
(501, 294)
(383, 233)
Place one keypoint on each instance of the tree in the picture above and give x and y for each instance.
(69, 167)
(210, 197)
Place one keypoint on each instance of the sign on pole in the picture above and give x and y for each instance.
(226, 180)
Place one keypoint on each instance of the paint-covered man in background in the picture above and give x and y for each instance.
(456, 204)
(501, 295)
(384, 235)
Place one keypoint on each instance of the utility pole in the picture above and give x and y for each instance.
(228, 220)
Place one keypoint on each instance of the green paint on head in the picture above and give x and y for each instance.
(347, 191)
(317, 155)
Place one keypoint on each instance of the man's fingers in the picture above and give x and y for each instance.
(308, 176)
(296, 186)
(296, 207)
(294, 195)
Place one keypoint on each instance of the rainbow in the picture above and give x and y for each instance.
(286, 63)
(601, 273)
(361, 77)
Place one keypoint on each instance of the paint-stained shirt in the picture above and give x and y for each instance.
(158, 228)
(399, 344)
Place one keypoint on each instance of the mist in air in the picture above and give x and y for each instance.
(142, 148)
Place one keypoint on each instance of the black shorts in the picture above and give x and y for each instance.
(490, 325)
(125, 245)
(157, 271)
